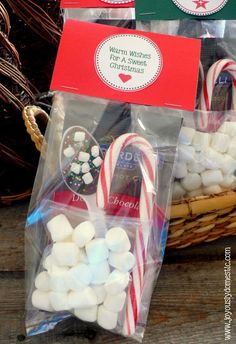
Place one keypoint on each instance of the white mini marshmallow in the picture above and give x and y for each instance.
(85, 167)
(100, 272)
(40, 300)
(211, 159)
(69, 152)
(100, 291)
(49, 262)
(122, 261)
(58, 279)
(97, 251)
(180, 170)
(178, 191)
(87, 178)
(79, 136)
(107, 319)
(228, 128)
(42, 281)
(201, 141)
(95, 151)
(84, 157)
(75, 168)
(83, 233)
(115, 303)
(117, 240)
(195, 167)
(87, 314)
(97, 162)
(80, 273)
(196, 193)
(228, 165)
(116, 282)
(232, 149)
(185, 153)
(83, 299)
(191, 182)
(212, 177)
(228, 181)
(186, 135)
(66, 253)
(59, 228)
(220, 142)
(212, 190)
(59, 301)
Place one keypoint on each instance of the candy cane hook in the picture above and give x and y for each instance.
(208, 88)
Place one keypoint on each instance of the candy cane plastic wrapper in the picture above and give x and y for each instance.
(149, 165)
(99, 265)
(224, 65)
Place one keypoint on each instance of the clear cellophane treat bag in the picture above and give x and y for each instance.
(116, 13)
(206, 163)
(98, 217)
(98, 221)
(123, 17)
(206, 156)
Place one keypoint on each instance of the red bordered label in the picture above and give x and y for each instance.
(127, 65)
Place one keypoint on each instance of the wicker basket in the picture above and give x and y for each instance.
(4, 20)
(39, 20)
(34, 32)
(193, 221)
(202, 219)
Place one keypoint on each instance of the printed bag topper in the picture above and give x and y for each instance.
(180, 9)
(127, 65)
(96, 3)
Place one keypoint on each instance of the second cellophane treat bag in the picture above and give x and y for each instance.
(206, 163)
(98, 219)
(214, 22)
(119, 12)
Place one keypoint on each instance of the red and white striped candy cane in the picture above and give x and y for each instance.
(208, 87)
(148, 165)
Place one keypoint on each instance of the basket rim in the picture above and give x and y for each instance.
(202, 204)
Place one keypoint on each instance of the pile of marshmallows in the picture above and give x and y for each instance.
(206, 162)
(85, 275)
(83, 165)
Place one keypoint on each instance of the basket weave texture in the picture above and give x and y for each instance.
(202, 219)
